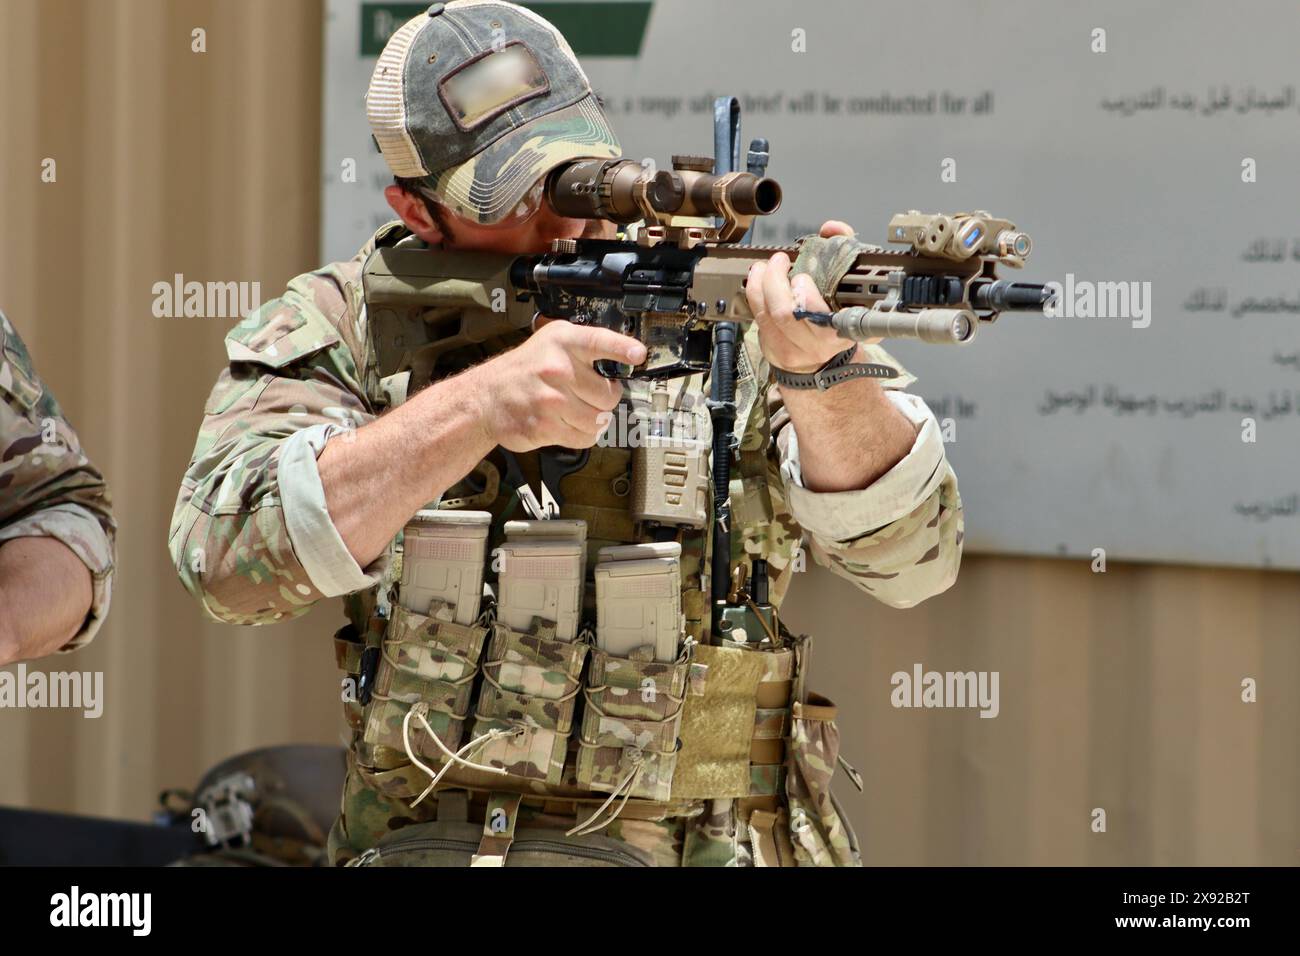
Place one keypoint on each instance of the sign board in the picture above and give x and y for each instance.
(1151, 155)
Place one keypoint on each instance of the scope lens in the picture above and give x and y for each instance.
(767, 196)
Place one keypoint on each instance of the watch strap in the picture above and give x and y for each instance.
(840, 368)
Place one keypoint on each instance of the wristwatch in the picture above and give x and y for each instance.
(840, 368)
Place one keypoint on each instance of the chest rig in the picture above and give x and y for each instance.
(458, 693)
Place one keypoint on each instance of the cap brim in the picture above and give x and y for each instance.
(486, 187)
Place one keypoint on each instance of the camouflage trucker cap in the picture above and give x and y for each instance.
(481, 99)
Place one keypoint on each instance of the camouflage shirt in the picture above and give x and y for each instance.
(253, 541)
(48, 488)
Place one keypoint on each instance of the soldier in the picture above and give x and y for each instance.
(56, 526)
(309, 463)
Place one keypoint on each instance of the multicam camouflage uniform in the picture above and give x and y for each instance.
(253, 542)
(48, 488)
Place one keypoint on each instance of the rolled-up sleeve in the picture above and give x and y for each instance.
(50, 488)
(251, 536)
(844, 515)
(899, 539)
(319, 546)
(91, 538)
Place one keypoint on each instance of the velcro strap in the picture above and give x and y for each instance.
(766, 779)
(771, 723)
(827, 260)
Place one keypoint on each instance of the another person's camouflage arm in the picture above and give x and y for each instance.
(48, 488)
(899, 539)
(251, 537)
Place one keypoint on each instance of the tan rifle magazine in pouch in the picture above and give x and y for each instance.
(425, 659)
(628, 742)
(531, 683)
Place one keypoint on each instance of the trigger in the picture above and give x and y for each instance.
(608, 368)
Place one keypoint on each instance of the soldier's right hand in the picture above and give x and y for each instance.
(546, 392)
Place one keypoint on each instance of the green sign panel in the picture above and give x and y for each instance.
(603, 28)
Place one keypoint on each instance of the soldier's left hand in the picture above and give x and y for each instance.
(787, 342)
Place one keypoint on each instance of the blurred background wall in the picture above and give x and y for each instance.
(1118, 690)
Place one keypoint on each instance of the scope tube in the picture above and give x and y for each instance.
(606, 189)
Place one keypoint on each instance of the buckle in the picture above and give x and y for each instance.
(826, 376)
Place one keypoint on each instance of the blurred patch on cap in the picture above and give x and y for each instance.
(480, 99)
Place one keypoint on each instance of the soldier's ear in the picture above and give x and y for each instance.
(414, 213)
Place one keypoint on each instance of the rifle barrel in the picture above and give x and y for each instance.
(1005, 295)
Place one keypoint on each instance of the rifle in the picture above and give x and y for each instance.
(682, 273)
